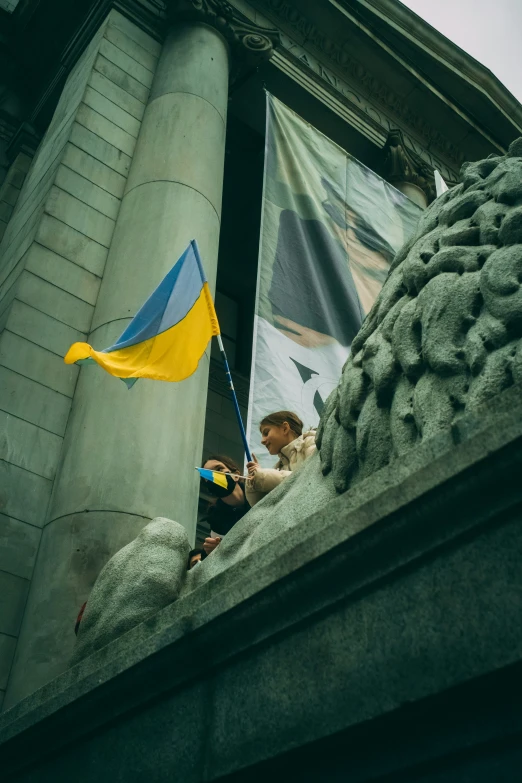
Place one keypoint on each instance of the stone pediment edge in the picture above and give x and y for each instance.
(399, 16)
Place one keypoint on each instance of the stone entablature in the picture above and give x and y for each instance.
(381, 109)
(309, 55)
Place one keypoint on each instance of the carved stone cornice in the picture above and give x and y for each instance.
(401, 165)
(359, 75)
(250, 42)
(348, 103)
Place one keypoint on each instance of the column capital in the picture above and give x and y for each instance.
(403, 166)
(248, 41)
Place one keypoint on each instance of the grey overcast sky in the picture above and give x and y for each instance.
(488, 30)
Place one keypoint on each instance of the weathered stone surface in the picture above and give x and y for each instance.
(109, 132)
(50, 299)
(80, 216)
(71, 244)
(33, 402)
(18, 546)
(126, 63)
(130, 46)
(133, 32)
(52, 260)
(113, 92)
(13, 595)
(86, 191)
(37, 363)
(42, 329)
(70, 553)
(122, 79)
(163, 574)
(178, 166)
(101, 149)
(111, 111)
(93, 169)
(194, 163)
(412, 344)
(400, 589)
(7, 648)
(208, 59)
(27, 446)
(61, 272)
(23, 494)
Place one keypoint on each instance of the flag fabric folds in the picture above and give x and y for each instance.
(166, 339)
(224, 480)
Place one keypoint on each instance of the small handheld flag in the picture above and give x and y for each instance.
(220, 484)
(224, 480)
(166, 339)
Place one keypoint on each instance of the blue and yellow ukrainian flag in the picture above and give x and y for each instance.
(168, 336)
(224, 480)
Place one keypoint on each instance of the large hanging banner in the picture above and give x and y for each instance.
(329, 230)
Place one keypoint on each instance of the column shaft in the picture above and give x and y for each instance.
(414, 193)
(129, 456)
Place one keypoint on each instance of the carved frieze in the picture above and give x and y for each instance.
(373, 116)
(385, 108)
(374, 87)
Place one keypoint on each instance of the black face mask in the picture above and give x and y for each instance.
(215, 490)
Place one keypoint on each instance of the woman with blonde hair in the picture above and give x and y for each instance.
(282, 435)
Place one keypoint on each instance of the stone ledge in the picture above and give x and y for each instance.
(371, 587)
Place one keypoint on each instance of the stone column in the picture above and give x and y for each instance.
(134, 452)
(414, 192)
(129, 456)
(407, 172)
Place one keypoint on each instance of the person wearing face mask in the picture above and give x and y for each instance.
(230, 503)
(282, 435)
(196, 556)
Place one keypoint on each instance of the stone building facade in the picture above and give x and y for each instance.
(91, 217)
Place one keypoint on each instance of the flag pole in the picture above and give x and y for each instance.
(234, 398)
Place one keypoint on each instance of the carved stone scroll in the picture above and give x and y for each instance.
(250, 43)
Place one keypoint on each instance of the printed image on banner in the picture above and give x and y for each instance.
(329, 230)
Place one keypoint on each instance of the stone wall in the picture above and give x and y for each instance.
(342, 631)
(11, 187)
(53, 269)
(53, 256)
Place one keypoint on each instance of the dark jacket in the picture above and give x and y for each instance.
(222, 517)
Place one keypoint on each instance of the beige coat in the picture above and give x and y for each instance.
(291, 457)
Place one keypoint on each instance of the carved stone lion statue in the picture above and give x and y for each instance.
(443, 337)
